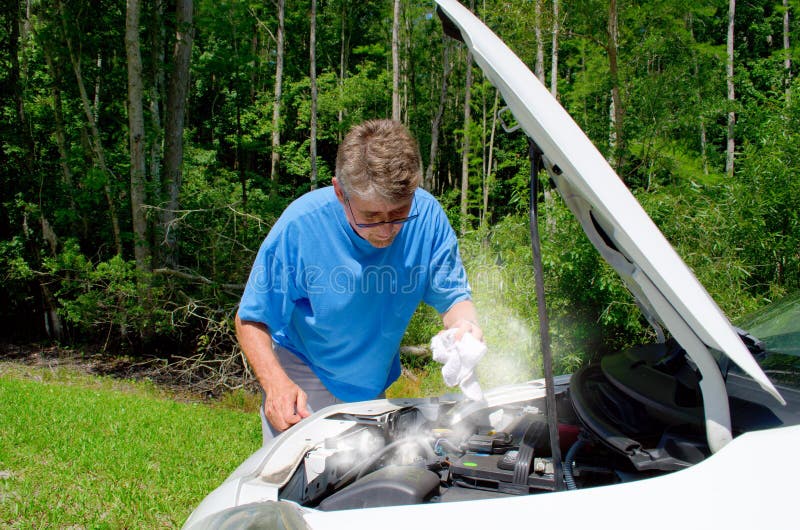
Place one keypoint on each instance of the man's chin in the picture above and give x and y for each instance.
(380, 243)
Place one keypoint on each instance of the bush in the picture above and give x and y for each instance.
(108, 298)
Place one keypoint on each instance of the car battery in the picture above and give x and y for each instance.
(495, 472)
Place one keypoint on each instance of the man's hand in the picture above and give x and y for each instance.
(463, 317)
(285, 404)
(463, 326)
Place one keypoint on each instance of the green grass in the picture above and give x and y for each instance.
(78, 451)
(425, 381)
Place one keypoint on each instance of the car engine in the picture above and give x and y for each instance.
(403, 457)
(634, 415)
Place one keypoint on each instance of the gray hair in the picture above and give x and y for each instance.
(379, 159)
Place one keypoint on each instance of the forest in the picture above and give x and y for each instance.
(149, 145)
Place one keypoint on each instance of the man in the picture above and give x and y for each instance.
(338, 277)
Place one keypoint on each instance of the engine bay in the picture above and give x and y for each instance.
(610, 430)
(403, 458)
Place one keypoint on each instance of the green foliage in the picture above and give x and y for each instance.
(585, 300)
(13, 262)
(592, 311)
(766, 205)
(365, 93)
(697, 223)
(296, 162)
(105, 296)
(739, 235)
(218, 230)
(425, 323)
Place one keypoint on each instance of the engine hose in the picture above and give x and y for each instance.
(569, 479)
(367, 465)
(446, 446)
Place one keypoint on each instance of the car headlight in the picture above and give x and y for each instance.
(267, 515)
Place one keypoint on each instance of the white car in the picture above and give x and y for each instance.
(688, 432)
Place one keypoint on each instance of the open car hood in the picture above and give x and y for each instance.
(665, 289)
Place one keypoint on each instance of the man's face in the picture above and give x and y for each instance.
(362, 211)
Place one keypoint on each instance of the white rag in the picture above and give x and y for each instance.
(459, 359)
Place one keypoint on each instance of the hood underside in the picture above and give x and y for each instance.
(665, 289)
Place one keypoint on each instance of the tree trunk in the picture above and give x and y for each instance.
(156, 97)
(13, 52)
(488, 178)
(537, 29)
(53, 325)
(396, 62)
(58, 118)
(465, 146)
(700, 117)
(427, 181)
(704, 145)
(141, 247)
(96, 98)
(178, 86)
(313, 75)
(616, 104)
(484, 143)
(787, 50)
(731, 92)
(238, 162)
(98, 154)
(612, 131)
(550, 222)
(408, 104)
(554, 60)
(344, 52)
(276, 106)
(15, 82)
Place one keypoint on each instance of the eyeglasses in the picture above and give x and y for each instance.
(381, 223)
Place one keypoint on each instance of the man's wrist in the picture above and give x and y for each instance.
(467, 325)
(461, 321)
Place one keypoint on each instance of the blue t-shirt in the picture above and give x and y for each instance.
(342, 305)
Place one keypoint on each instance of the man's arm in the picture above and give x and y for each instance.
(285, 402)
(464, 317)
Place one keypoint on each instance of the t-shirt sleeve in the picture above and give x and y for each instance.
(447, 279)
(270, 294)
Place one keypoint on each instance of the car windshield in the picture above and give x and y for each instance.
(777, 326)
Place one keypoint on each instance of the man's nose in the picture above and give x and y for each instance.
(386, 230)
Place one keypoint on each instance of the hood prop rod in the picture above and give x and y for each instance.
(535, 156)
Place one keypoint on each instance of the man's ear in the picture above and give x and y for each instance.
(338, 190)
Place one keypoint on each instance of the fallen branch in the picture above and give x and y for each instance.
(417, 351)
(197, 278)
(409, 374)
